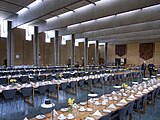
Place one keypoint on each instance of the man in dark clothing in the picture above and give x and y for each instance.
(150, 68)
(5, 62)
(143, 68)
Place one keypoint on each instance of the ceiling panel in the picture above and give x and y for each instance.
(61, 11)
(46, 17)
(20, 2)
(10, 7)
(78, 5)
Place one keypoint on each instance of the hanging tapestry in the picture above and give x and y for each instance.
(146, 50)
(121, 50)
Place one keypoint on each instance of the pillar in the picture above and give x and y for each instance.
(56, 48)
(36, 52)
(86, 51)
(10, 45)
(73, 50)
(105, 52)
(96, 53)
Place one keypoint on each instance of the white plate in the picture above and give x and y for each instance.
(104, 103)
(83, 103)
(47, 105)
(92, 95)
(64, 109)
(137, 95)
(39, 117)
(136, 83)
(61, 118)
(82, 110)
(106, 111)
(129, 99)
(120, 105)
(145, 78)
(69, 118)
(89, 118)
(95, 99)
(118, 87)
(144, 92)
(89, 109)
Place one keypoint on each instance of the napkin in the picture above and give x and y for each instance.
(75, 106)
(113, 93)
(139, 93)
(25, 118)
(122, 90)
(112, 106)
(150, 88)
(89, 118)
(96, 103)
(158, 84)
(119, 94)
(124, 94)
(132, 91)
(123, 101)
(131, 96)
(145, 90)
(103, 96)
(54, 112)
(110, 98)
(115, 98)
(154, 86)
(129, 87)
(105, 110)
(97, 113)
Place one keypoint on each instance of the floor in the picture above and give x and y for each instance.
(17, 109)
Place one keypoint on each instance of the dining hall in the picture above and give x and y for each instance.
(79, 60)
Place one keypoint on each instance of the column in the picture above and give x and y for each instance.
(105, 52)
(73, 50)
(56, 49)
(96, 53)
(10, 45)
(36, 53)
(86, 51)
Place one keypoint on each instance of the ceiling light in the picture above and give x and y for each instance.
(22, 11)
(74, 25)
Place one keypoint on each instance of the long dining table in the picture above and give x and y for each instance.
(107, 103)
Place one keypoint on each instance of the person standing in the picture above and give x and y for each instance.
(143, 68)
(150, 68)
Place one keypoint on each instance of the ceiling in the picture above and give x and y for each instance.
(102, 20)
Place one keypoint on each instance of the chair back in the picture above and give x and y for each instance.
(105, 117)
(42, 89)
(72, 84)
(80, 83)
(9, 94)
(24, 79)
(34, 79)
(122, 113)
(130, 107)
(63, 85)
(27, 91)
(52, 88)
(41, 77)
(3, 81)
